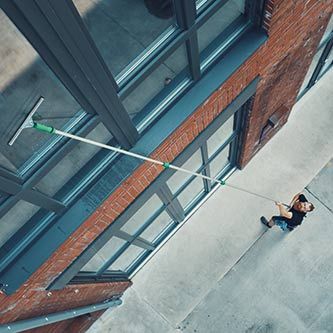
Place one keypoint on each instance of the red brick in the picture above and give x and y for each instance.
(278, 62)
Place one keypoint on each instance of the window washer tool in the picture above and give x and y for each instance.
(28, 122)
(165, 165)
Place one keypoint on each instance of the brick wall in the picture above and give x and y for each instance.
(31, 301)
(294, 28)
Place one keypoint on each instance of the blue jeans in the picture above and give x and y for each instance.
(280, 222)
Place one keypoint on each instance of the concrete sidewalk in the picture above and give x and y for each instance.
(222, 272)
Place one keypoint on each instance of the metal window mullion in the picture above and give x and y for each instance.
(135, 240)
(124, 235)
(144, 244)
(176, 211)
(39, 22)
(233, 151)
(150, 221)
(187, 12)
(255, 11)
(321, 63)
(9, 186)
(179, 13)
(47, 166)
(97, 71)
(192, 47)
(173, 208)
(222, 147)
(208, 13)
(151, 66)
(40, 199)
(68, 23)
(17, 15)
(206, 171)
(10, 175)
(112, 259)
(33, 196)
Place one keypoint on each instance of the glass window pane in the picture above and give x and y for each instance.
(219, 162)
(73, 162)
(311, 69)
(15, 218)
(127, 258)
(142, 215)
(105, 253)
(220, 136)
(157, 227)
(191, 192)
(24, 79)
(3, 197)
(123, 29)
(202, 4)
(328, 62)
(179, 178)
(328, 30)
(219, 22)
(161, 79)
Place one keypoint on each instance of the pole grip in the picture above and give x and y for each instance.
(44, 128)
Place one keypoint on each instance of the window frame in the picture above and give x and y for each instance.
(39, 22)
(325, 47)
(171, 203)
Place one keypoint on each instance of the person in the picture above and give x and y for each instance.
(290, 218)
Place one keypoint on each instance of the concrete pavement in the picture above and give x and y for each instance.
(222, 272)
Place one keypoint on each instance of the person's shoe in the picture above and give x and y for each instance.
(264, 221)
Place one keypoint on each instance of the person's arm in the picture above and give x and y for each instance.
(283, 211)
(294, 199)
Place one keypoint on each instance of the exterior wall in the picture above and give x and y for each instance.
(75, 325)
(32, 301)
(294, 28)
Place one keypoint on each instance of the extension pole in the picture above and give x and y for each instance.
(165, 165)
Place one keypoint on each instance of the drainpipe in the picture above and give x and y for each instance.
(22, 325)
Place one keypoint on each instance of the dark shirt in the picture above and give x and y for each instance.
(297, 217)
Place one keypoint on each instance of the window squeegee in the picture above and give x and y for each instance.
(28, 122)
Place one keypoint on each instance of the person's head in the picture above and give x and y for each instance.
(304, 207)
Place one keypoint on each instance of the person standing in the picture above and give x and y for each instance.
(290, 218)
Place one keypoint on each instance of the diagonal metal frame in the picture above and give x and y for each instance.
(14, 188)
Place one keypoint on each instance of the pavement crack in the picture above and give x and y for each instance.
(153, 309)
(314, 195)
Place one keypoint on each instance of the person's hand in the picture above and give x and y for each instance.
(278, 203)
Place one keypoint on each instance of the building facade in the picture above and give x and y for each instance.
(203, 84)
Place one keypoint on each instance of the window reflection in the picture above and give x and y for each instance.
(191, 193)
(328, 62)
(24, 79)
(15, 218)
(179, 178)
(123, 29)
(219, 163)
(149, 208)
(219, 22)
(157, 227)
(127, 258)
(161, 81)
(106, 252)
(73, 162)
(220, 136)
